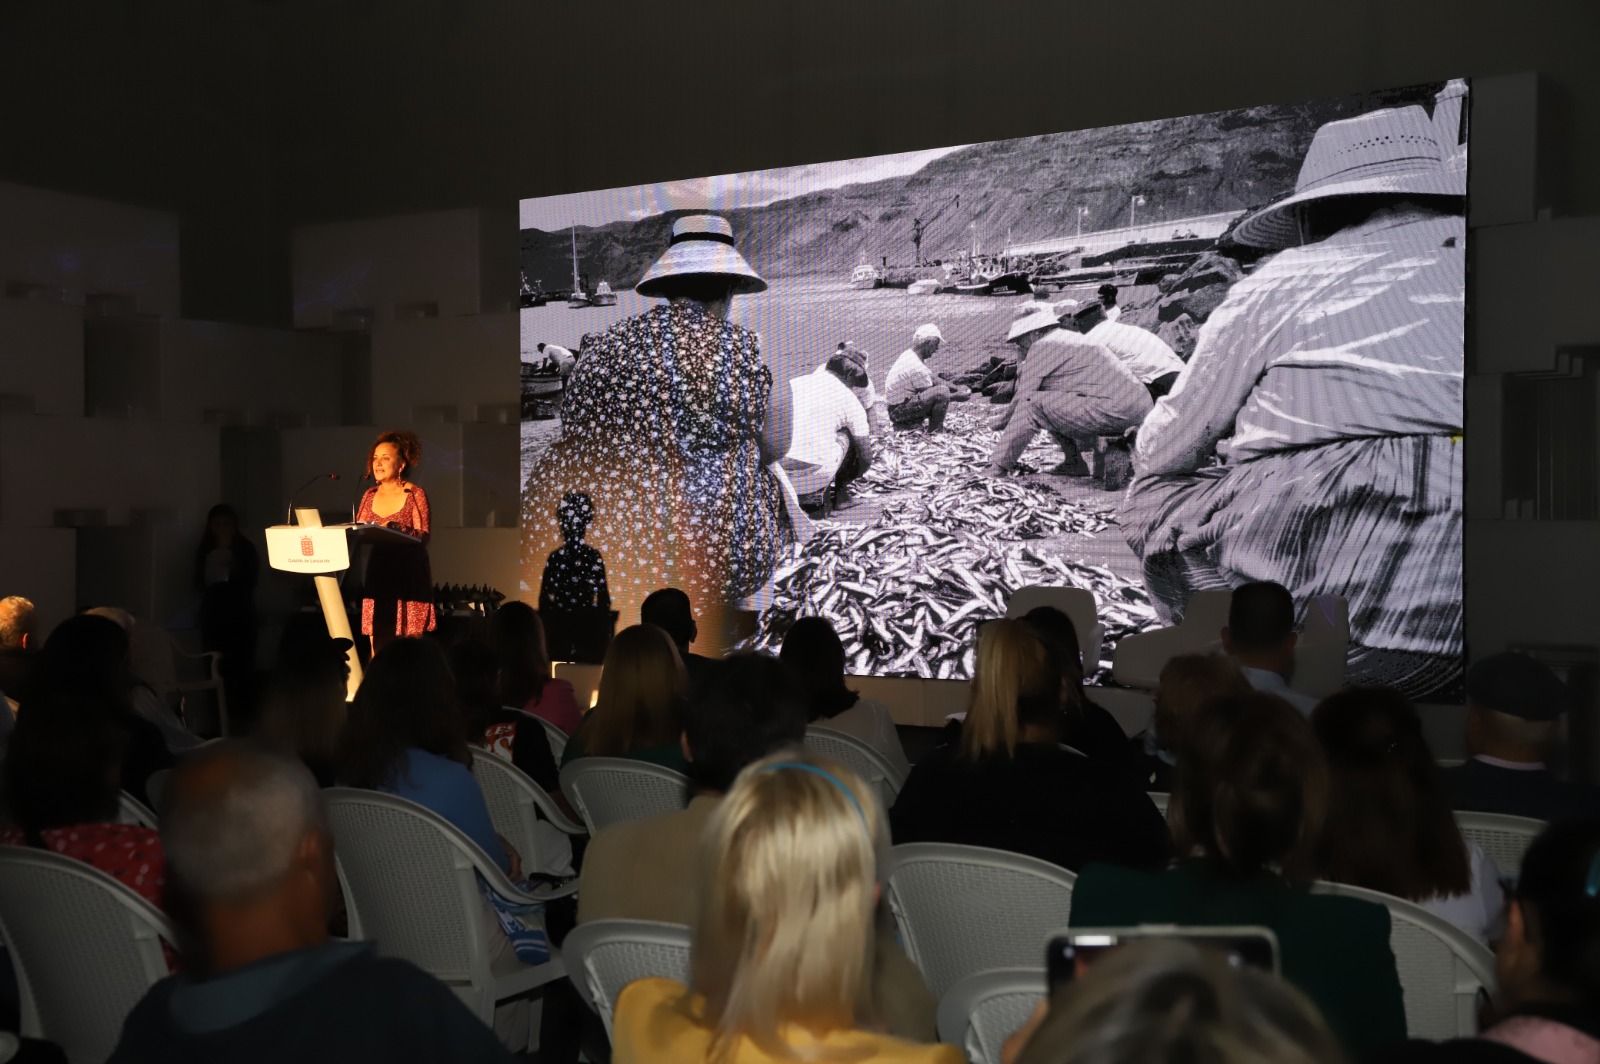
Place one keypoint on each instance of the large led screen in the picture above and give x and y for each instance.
(1143, 360)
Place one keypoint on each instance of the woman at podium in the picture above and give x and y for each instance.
(398, 583)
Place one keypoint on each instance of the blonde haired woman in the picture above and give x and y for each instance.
(1010, 783)
(784, 936)
(639, 710)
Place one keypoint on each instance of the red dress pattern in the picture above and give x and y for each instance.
(128, 853)
(412, 617)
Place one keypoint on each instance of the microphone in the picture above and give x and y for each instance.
(289, 519)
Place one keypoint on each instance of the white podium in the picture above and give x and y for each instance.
(321, 551)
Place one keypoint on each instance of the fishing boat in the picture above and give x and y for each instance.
(541, 393)
(925, 287)
(578, 298)
(865, 276)
(603, 295)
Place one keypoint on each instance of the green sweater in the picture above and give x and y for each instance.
(1335, 950)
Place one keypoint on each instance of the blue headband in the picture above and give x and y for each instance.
(817, 770)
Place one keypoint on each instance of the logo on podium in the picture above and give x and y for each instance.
(306, 547)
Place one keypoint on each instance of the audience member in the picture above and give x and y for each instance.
(1170, 1000)
(670, 610)
(1009, 783)
(1261, 637)
(1188, 682)
(525, 680)
(149, 662)
(638, 712)
(645, 869)
(1516, 708)
(62, 784)
(1547, 1002)
(1089, 728)
(88, 655)
(814, 658)
(1391, 828)
(303, 709)
(16, 650)
(226, 569)
(1246, 815)
(251, 853)
(784, 936)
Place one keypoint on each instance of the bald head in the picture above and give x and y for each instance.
(236, 818)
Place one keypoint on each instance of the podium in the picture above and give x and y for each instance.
(320, 551)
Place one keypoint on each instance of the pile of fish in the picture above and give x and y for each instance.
(1000, 509)
(920, 461)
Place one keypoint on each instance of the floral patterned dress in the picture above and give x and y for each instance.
(661, 427)
(398, 581)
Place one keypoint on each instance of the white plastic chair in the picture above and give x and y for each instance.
(85, 948)
(604, 956)
(132, 811)
(557, 737)
(981, 1011)
(516, 804)
(1442, 968)
(966, 909)
(1077, 603)
(1505, 839)
(411, 881)
(1162, 800)
(860, 758)
(608, 790)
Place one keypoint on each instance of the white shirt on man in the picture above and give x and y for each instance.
(908, 376)
(1269, 682)
(1141, 350)
(827, 415)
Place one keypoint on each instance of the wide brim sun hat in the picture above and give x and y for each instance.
(702, 246)
(1031, 317)
(1395, 151)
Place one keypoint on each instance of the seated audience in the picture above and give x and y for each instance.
(303, 708)
(16, 654)
(638, 712)
(1008, 782)
(62, 786)
(1170, 1000)
(670, 610)
(814, 658)
(1089, 728)
(525, 681)
(645, 869)
(1390, 827)
(88, 655)
(252, 856)
(1516, 708)
(1251, 796)
(1261, 637)
(1547, 965)
(1188, 681)
(785, 941)
(149, 659)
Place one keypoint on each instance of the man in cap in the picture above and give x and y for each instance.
(832, 440)
(1067, 385)
(910, 389)
(557, 359)
(871, 400)
(1516, 712)
(1155, 364)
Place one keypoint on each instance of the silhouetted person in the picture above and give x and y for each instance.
(670, 610)
(1261, 637)
(574, 582)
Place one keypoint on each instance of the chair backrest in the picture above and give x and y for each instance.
(1077, 603)
(966, 909)
(860, 758)
(981, 1011)
(1441, 967)
(515, 802)
(85, 948)
(132, 811)
(410, 875)
(608, 790)
(556, 737)
(1502, 837)
(604, 956)
(1162, 800)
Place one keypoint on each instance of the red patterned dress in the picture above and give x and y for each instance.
(128, 853)
(398, 583)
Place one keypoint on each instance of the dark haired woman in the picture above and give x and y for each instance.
(226, 568)
(525, 683)
(1392, 828)
(814, 659)
(398, 582)
(1251, 798)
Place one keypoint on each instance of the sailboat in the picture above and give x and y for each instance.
(578, 298)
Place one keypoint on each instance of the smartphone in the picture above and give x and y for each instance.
(1070, 953)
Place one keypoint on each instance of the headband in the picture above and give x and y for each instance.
(684, 238)
(817, 770)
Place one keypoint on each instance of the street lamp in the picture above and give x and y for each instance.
(1081, 212)
(1135, 202)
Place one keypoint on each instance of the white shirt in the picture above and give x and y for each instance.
(1271, 683)
(1141, 350)
(1476, 912)
(559, 358)
(908, 376)
(873, 404)
(1113, 313)
(824, 406)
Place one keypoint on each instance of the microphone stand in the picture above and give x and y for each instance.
(289, 517)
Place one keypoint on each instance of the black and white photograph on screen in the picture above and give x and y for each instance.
(1143, 361)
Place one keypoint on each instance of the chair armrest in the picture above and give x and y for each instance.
(559, 820)
(548, 889)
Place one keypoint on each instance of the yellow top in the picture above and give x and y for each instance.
(650, 1026)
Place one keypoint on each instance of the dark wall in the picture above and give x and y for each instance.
(249, 115)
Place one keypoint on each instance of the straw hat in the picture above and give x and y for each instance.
(702, 244)
(1031, 317)
(1389, 151)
